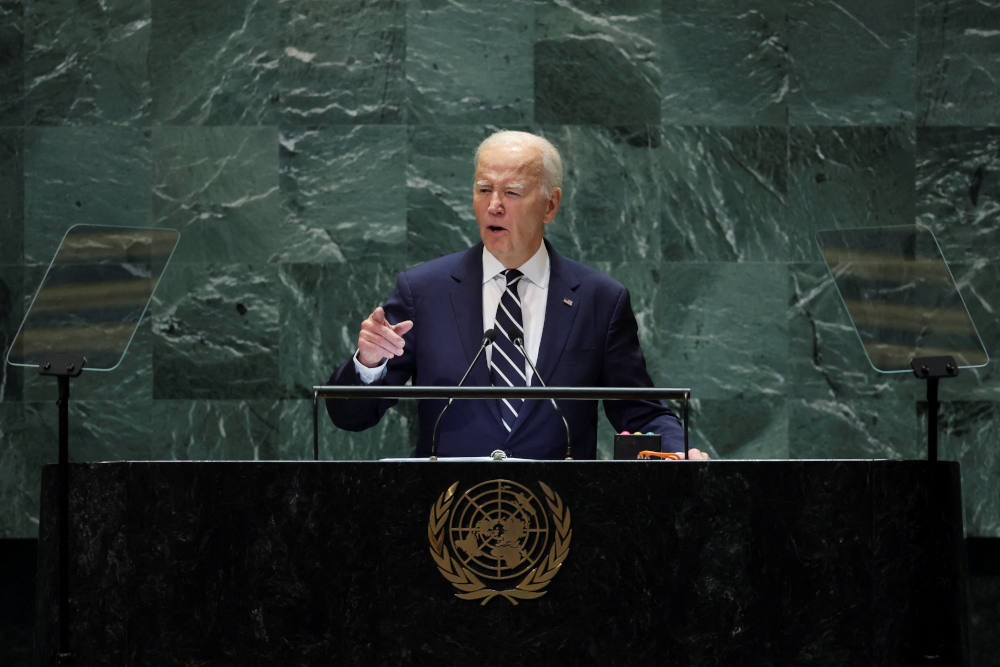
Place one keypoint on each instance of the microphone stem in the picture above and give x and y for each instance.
(517, 340)
(488, 337)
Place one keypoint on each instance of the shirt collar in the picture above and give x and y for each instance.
(536, 269)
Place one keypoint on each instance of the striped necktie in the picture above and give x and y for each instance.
(507, 363)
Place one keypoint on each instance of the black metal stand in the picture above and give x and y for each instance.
(933, 369)
(63, 367)
(315, 426)
(569, 393)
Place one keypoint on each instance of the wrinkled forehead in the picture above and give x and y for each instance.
(512, 161)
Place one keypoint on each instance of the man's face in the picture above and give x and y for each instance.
(508, 201)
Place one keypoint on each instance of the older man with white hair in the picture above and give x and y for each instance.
(573, 323)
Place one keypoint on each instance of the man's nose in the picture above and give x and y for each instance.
(496, 206)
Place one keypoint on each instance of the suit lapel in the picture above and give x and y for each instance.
(467, 306)
(561, 308)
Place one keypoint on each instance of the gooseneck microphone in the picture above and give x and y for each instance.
(489, 336)
(518, 340)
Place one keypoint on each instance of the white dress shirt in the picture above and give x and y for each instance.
(532, 290)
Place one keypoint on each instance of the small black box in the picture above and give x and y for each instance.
(627, 447)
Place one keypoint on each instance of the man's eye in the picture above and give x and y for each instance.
(513, 193)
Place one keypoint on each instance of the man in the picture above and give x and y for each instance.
(574, 322)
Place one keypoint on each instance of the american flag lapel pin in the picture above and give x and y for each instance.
(568, 302)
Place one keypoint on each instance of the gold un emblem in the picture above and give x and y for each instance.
(498, 538)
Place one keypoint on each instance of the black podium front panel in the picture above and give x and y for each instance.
(682, 563)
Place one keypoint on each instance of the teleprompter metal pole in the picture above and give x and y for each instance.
(63, 367)
(932, 369)
(315, 425)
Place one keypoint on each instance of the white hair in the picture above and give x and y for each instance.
(552, 169)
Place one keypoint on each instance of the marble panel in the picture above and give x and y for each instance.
(469, 61)
(979, 284)
(851, 62)
(968, 432)
(725, 63)
(87, 63)
(11, 195)
(11, 63)
(321, 310)
(341, 62)
(743, 428)
(847, 177)
(730, 429)
(611, 193)
(11, 314)
(218, 186)
(825, 356)
(958, 63)
(598, 64)
(439, 178)
(884, 428)
(343, 194)
(113, 430)
(213, 430)
(644, 280)
(85, 175)
(132, 380)
(29, 435)
(215, 64)
(137, 430)
(725, 331)
(725, 194)
(393, 437)
(215, 332)
(958, 189)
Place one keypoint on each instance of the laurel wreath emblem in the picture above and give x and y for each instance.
(469, 583)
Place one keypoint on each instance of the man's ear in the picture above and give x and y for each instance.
(552, 205)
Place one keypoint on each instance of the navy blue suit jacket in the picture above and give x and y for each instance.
(589, 338)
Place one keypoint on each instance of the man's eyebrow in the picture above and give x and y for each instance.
(510, 186)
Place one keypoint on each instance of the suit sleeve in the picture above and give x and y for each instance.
(625, 366)
(358, 414)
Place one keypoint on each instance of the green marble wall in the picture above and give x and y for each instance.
(307, 150)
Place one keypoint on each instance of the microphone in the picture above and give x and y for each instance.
(518, 340)
(489, 336)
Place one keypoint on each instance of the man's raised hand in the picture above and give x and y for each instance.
(380, 340)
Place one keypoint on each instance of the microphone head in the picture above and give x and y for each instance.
(489, 336)
(517, 338)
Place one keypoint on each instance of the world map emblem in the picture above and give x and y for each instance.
(499, 539)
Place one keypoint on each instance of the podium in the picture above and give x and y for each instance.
(676, 563)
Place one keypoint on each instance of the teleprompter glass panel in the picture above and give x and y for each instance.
(901, 296)
(93, 295)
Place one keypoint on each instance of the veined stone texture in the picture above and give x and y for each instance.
(308, 150)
